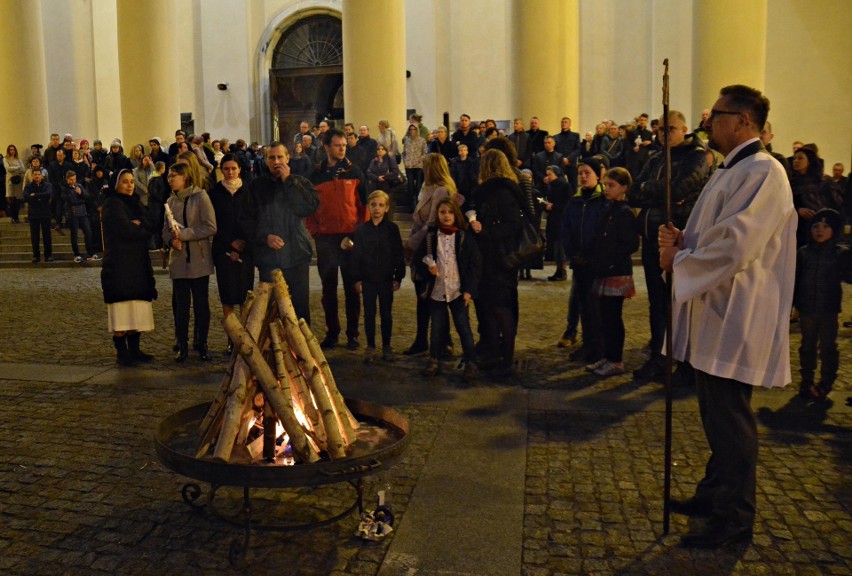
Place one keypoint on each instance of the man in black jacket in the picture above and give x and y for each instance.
(519, 139)
(535, 140)
(689, 174)
(466, 135)
(547, 157)
(568, 144)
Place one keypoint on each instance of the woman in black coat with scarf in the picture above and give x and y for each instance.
(127, 278)
(497, 227)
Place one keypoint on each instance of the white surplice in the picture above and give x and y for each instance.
(733, 282)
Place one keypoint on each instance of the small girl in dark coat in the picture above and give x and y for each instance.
(451, 256)
(613, 267)
(821, 266)
(378, 267)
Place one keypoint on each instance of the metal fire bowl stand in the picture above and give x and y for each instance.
(366, 459)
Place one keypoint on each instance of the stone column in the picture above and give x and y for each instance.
(374, 63)
(150, 87)
(546, 70)
(23, 83)
(729, 47)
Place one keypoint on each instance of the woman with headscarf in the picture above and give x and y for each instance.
(127, 278)
(190, 236)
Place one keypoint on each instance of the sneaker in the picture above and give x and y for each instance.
(78, 259)
(433, 367)
(388, 355)
(352, 344)
(35, 259)
(49, 259)
(369, 354)
(610, 369)
(595, 365)
(93, 258)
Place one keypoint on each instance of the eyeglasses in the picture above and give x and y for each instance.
(714, 113)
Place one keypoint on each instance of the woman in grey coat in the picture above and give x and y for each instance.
(188, 230)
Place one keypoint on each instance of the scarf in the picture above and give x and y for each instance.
(449, 230)
(232, 185)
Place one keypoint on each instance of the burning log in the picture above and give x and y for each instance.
(271, 388)
(279, 382)
(237, 392)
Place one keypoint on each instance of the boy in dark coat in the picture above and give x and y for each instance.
(821, 266)
(378, 268)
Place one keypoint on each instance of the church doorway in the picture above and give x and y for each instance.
(306, 78)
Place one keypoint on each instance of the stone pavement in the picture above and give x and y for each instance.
(551, 472)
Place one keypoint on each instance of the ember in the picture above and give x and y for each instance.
(278, 400)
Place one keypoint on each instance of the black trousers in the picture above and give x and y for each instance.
(819, 332)
(330, 258)
(383, 292)
(656, 293)
(612, 326)
(589, 311)
(194, 291)
(41, 225)
(730, 476)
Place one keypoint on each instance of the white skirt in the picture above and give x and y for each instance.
(130, 315)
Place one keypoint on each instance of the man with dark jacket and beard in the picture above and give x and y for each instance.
(689, 174)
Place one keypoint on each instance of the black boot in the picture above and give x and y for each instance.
(122, 354)
(183, 352)
(133, 348)
(203, 352)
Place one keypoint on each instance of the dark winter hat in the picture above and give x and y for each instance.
(594, 164)
(830, 217)
(557, 171)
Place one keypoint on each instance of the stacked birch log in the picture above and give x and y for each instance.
(277, 374)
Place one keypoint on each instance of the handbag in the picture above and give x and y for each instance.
(16, 179)
(530, 243)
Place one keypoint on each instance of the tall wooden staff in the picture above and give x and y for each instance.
(667, 481)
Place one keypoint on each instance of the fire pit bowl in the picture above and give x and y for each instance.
(382, 438)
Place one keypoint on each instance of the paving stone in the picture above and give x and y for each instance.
(82, 491)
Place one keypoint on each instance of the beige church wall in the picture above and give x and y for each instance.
(23, 86)
(809, 76)
(69, 67)
(622, 47)
(107, 81)
(225, 60)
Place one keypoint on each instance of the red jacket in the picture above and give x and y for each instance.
(342, 204)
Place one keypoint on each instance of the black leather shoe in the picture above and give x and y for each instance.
(415, 348)
(204, 353)
(352, 344)
(691, 507)
(182, 353)
(653, 369)
(329, 342)
(717, 533)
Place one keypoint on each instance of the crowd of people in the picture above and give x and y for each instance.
(208, 205)
(752, 242)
